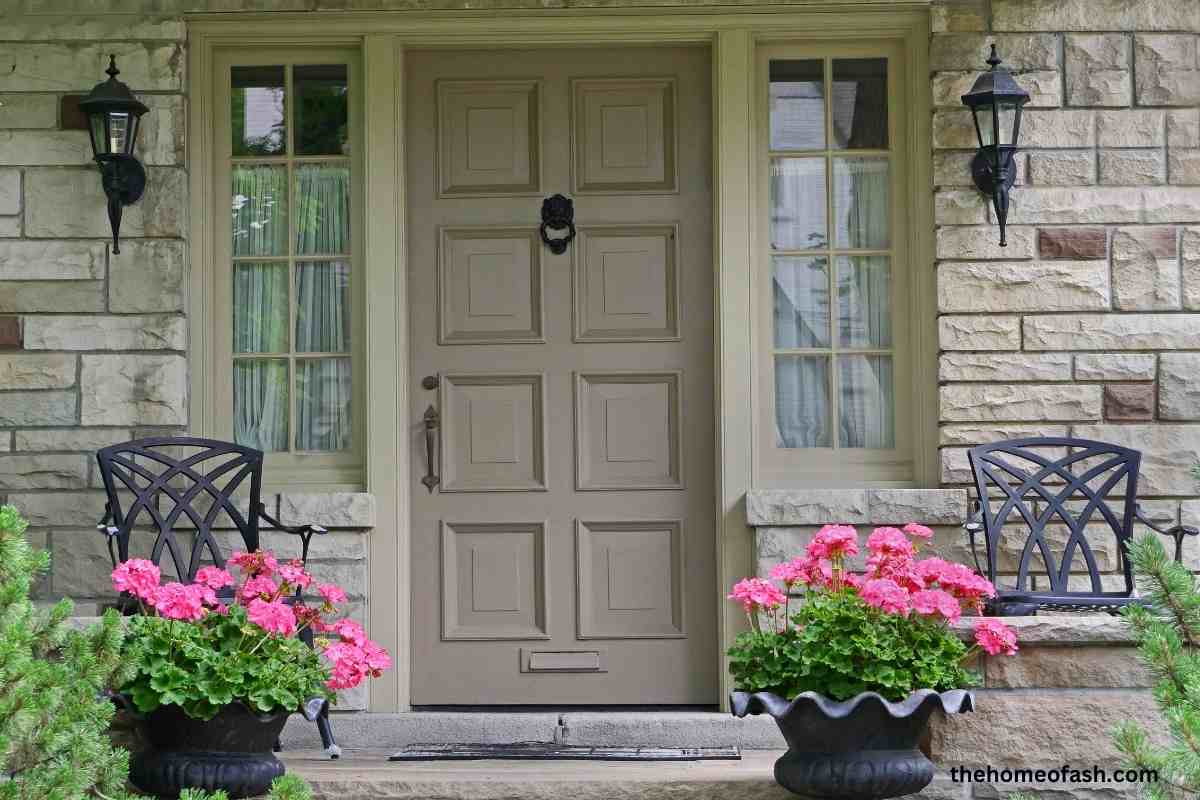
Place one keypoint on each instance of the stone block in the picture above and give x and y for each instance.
(335, 545)
(28, 110)
(927, 506)
(148, 66)
(60, 509)
(1131, 128)
(10, 227)
(953, 128)
(959, 17)
(331, 510)
(70, 203)
(1168, 452)
(960, 207)
(1020, 286)
(149, 332)
(80, 566)
(1097, 70)
(25, 260)
(1054, 128)
(1062, 168)
(1076, 243)
(396, 731)
(10, 333)
(45, 148)
(1087, 667)
(1050, 402)
(1115, 366)
(38, 408)
(1145, 269)
(350, 575)
(1129, 402)
(980, 242)
(161, 133)
(82, 439)
(1167, 70)
(147, 276)
(133, 390)
(92, 27)
(1035, 205)
(979, 332)
(1004, 367)
(27, 371)
(1132, 167)
(19, 472)
(1171, 204)
(1113, 332)
(1183, 127)
(1044, 87)
(970, 52)
(1190, 259)
(954, 466)
(1185, 167)
(953, 168)
(59, 296)
(973, 434)
(1179, 386)
(1093, 15)
(10, 191)
(166, 202)
(805, 506)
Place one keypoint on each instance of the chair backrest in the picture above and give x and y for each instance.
(1066, 483)
(167, 479)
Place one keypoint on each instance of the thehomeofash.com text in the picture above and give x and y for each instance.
(1064, 774)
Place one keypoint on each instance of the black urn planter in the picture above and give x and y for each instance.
(864, 748)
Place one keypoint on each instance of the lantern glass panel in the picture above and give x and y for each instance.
(984, 115)
(99, 141)
(118, 131)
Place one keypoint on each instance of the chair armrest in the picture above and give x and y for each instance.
(305, 532)
(110, 532)
(1176, 532)
(972, 526)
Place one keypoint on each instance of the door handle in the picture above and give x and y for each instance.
(431, 420)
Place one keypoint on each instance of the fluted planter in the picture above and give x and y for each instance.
(864, 748)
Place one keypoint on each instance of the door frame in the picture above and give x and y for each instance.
(383, 37)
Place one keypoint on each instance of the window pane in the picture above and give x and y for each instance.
(260, 308)
(802, 402)
(259, 211)
(860, 117)
(860, 202)
(322, 209)
(797, 105)
(865, 402)
(323, 392)
(323, 307)
(322, 110)
(864, 301)
(260, 403)
(801, 287)
(798, 204)
(257, 110)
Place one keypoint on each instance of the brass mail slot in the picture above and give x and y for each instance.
(562, 661)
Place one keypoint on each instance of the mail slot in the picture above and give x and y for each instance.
(562, 661)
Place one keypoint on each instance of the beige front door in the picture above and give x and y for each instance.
(565, 554)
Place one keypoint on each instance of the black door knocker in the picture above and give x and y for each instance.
(558, 212)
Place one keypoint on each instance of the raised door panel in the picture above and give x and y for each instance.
(489, 138)
(493, 432)
(624, 133)
(627, 284)
(489, 286)
(627, 430)
(630, 579)
(494, 580)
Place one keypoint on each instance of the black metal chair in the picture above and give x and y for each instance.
(198, 480)
(1030, 484)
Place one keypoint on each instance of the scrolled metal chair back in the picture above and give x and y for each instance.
(1018, 481)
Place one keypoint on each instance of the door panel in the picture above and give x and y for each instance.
(567, 553)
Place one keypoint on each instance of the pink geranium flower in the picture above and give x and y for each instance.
(757, 593)
(833, 542)
(788, 572)
(331, 593)
(886, 595)
(272, 617)
(181, 602)
(918, 530)
(293, 574)
(260, 587)
(260, 562)
(995, 637)
(887, 541)
(214, 578)
(349, 631)
(935, 602)
(138, 577)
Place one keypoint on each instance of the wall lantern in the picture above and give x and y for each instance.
(995, 102)
(113, 114)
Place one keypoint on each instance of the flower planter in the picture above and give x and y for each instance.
(864, 748)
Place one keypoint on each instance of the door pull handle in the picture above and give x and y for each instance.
(431, 419)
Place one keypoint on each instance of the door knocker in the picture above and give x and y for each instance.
(558, 213)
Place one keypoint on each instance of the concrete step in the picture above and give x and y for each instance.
(594, 728)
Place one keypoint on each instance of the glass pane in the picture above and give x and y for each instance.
(323, 404)
(260, 403)
(983, 115)
(257, 111)
(260, 308)
(801, 287)
(860, 202)
(323, 307)
(798, 204)
(322, 110)
(118, 131)
(259, 211)
(864, 301)
(797, 105)
(860, 107)
(802, 402)
(322, 209)
(865, 402)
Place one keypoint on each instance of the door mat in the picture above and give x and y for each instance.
(545, 751)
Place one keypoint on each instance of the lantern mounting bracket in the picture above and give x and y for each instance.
(985, 176)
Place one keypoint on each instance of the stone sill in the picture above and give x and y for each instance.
(351, 510)
(1062, 629)
(776, 507)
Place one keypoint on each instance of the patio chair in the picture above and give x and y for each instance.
(1025, 485)
(198, 479)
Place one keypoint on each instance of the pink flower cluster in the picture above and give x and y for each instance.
(354, 656)
(756, 593)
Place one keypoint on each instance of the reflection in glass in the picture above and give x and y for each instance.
(860, 118)
(323, 403)
(260, 403)
(802, 402)
(798, 204)
(257, 111)
(260, 308)
(801, 288)
(322, 110)
(864, 290)
(259, 211)
(860, 202)
(322, 307)
(322, 209)
(797, 105)
(865, 402)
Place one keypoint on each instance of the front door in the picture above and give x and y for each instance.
(563, 536)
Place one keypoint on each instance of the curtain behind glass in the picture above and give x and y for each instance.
(322, 209)
(802, 402)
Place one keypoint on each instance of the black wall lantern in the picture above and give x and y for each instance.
(995, 102)
(113, 114)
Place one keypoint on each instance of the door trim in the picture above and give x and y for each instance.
(383, 37)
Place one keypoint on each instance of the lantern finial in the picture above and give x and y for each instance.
(113, 72)
(994, 59)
